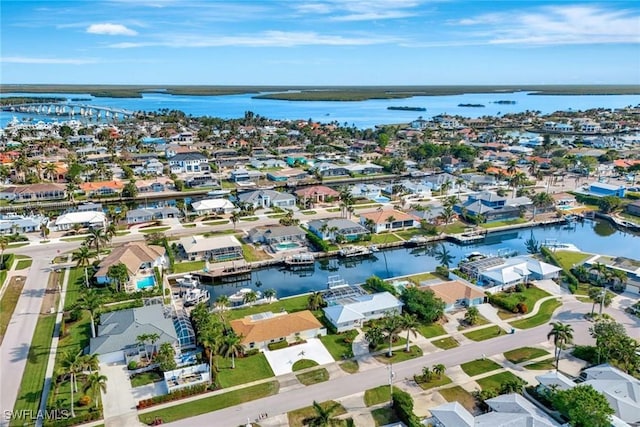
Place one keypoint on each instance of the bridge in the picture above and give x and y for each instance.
(69, 110)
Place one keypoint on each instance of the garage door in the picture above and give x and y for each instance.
(115, 357)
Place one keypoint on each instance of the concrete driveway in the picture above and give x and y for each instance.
(282, 360)
(119, 403)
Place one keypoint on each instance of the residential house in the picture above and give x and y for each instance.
(267, 199)
(216, 249)
(326, 169)
(11, 224)
(34, 193)
(137, 216)
(287, 174)
(369, 191)
(118, 332)
(602, 189)
(490, 205)
(364, 169)
(243, 175)
(420, 189)
(173, 150)
(268, 163)
(446, 122)
(157, 185)
(277, 234)
(259, 330)
(354, 312)
(88, 219)
(102, 188)
(201, 180)
(329, 229)
(456, 294)
(388, 220)
(217, 206)
(431, 215)
(564, 201)
(317, 193)
(192, 162)
(496, 274)
(139, 259)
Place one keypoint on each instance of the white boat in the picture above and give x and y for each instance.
(418, 241)
(216, 194)
(188, 281)
(238, 298)
(353, 251)
(374, 248)
(334, 282)
(303, 258)
(195, 296)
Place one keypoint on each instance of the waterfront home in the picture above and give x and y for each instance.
(192, 162)
(277, 234)
(317, 194)
(216, 249)
(200, 180)
(326, 169)
(506, 410)
(354, 312)
(139, 259)
(497, 274)
(11, 224)
(627, 265)
(102, 188)
(267, 199)
(243, 175)
(602, 189)
(621, 390)
(174, 149)
(420, 189)
(437, 180)
(157, 185)
(364, 169)
(564, 201)
(118, 332)
(215, 206)
(388, 220)
(137, 216)
(33, 193)
(330, 229)
(268, 163)
(456, 294)
(260, 330)
(87, 219)
(430, 213)
(490, 205)
(287, 174)
(479, 181)
(369, 191)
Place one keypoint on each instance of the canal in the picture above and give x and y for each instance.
(589, 236)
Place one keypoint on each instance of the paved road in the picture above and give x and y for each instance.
(16, 343)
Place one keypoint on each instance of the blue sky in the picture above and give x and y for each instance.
(320, 42)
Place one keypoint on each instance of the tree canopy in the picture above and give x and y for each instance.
(583, 406)
(424, 304)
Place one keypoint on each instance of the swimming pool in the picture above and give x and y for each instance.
(284, 246)
(381, 199)
(146, 282)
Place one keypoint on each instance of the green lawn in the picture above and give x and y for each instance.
(279, 215)
(153, 230)
(122, 233)
(350, 366)
(251, 254)
(568, 259)
(460, 395)
(384, 416)
(453, 228)
(74, 239)
(484, 333)
(422, 277)
(289, 305)
(18, 244)
(248, 369)
(313, 377)
(407, 234)
(24, 263)
(187, 266)
(336, 346)
(496, 224)
(8, 304)
(542, 365)
(528, 296)
(192, 225)
(213, 403)
(217, 222)
(308, 212)
(297, 418)
(249, 218)
(400, 355)
(435, 382)
(400, 340)
(333, 210)
(75, 287)
(445, 343)
(77, 337)
(495, 381)
(479, 366)
(303, 364)
(384, 238)
(146, 378)
(377, 395)
(523, 354)
(33, 378)
(367, 206)
(540, 318)
(430, 331)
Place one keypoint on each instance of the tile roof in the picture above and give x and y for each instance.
(454, 290)
(380, 217)
(132, 255)
(274, 327)
(317, 189)
(90, 186)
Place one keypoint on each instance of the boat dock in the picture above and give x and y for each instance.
(353, 251)
(303, 258)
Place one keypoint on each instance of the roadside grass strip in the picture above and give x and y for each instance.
(542, 365)
(523, 354)
(479, 366)
(375, 396)
(313, 377)
(434, 382)
(350, 366)
(301, 417)
(540, 318)
(400, 355)
(153, 230)
(495, 381)
(9, 302)
(484, 333)
(446, 343)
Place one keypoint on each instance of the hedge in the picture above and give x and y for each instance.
(278, 345)
(175, 395)
(317, 242)
(403, 406)
(92, 415)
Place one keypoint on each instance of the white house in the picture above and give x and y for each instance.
(361, 309)
(85, 219)
(216, 249)
(207, 206)
(189, 163)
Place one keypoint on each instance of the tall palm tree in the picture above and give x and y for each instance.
(315, 301)
(232, 347)
(410, 324)
(443, 255)
(447, 214)
(141, 340)
(71, 363)
(439, 369)
(250, 297)
(95, 383)
(110, 232)
(517, 180)
(235, 217)
(562, 335)
(370, 225)
(91, 302)
(210, 340)
(96, 238)
(222, 302)
(323, 416)
(541, 200)
(391, 325)
(50, 169)
(390, 220)
(269, 294)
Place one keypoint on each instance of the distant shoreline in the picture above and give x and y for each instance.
(318, 93)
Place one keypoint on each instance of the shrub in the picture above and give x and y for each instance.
(75, 314)
(350, 335)
(403, 406)
(522, 308)
(132, 365)
(520, 287)
(80, 419)
(278, 345)
(252, 352)
(176, 395)
(587, 353)
(84, 401)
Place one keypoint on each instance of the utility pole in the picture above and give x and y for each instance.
(391, 376)
(604, 291)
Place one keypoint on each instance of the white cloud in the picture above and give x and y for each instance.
(111, 29)
(34, 60)
(360, 10)
(556, 25)
(264, 39)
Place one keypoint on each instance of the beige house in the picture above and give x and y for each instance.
(259, 330)
(139, 259)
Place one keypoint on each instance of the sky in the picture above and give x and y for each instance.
(320, 42)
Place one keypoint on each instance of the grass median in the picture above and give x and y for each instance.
(540, 318)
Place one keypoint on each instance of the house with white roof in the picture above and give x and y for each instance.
(216, 249)
(207, 206)
(353, 312)
(85, 219)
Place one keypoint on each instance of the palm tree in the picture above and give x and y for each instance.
(96, 238)
(445, 187)
(269, 294)
(222, 302)
(541, 200)
(82, 256)
(95, 383)
(50, 170)
(426, 374)
(443, 255)
(153, 338)
(517, 180)
(71, 362)
(141, 340)
(250, 297)
(370, 224)
(562, 335)
(447, 214)
(110, 232)
(91, 302)
(391, 325)
(472, 315)
(235, 217)
(315, 301)
(90, 362)
(600, 271)
(410, 324)
(44, 230)
(209, 339)
(439, 369)
(390, 220)
(232, 347)
(323, 416)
